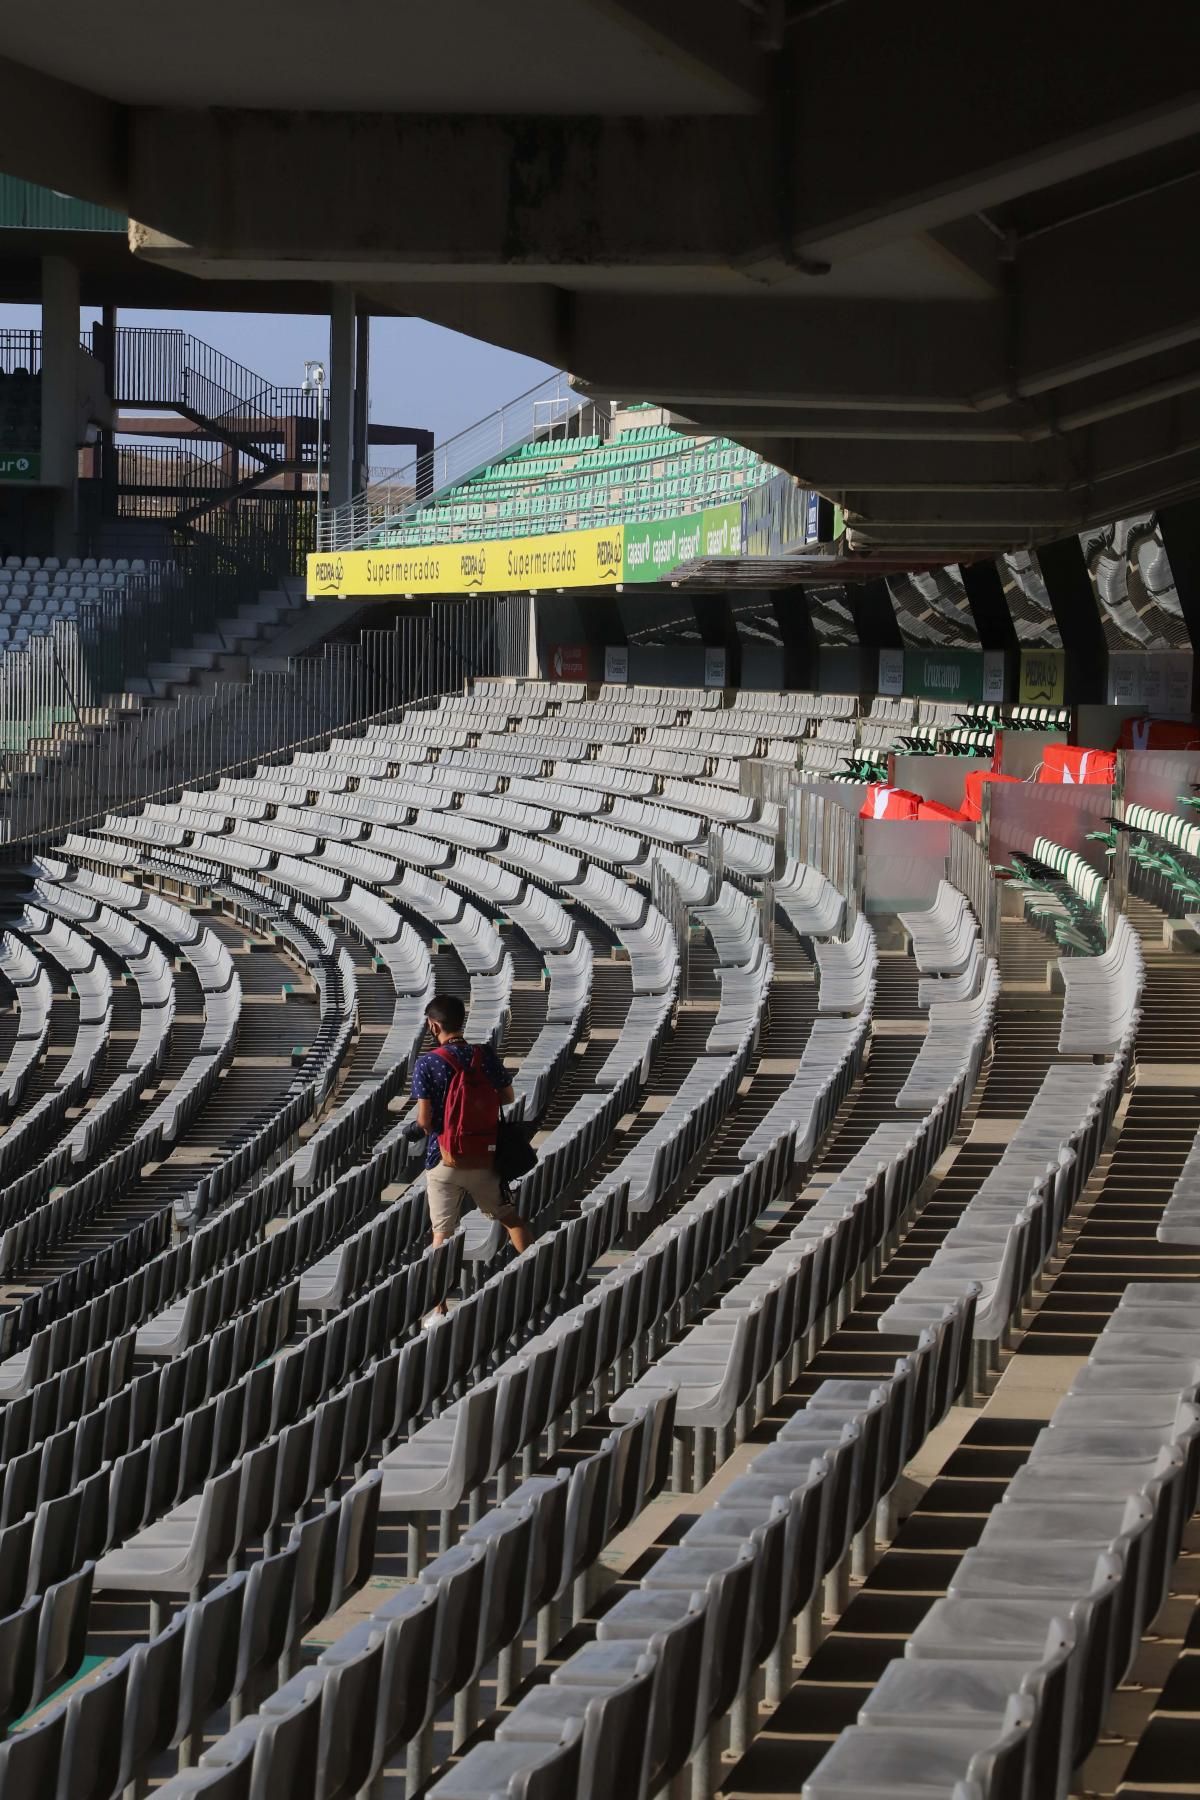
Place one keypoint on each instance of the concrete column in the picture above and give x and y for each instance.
(362, 378)
(108, 448)
(341, 396)
(60, 373)
(533, 666)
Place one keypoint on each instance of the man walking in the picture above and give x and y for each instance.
(459, 1089)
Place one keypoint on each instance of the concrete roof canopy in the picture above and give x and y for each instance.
(938, 261)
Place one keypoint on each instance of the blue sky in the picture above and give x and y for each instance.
(421, 374)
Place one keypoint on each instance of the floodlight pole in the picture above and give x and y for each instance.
(314, 379)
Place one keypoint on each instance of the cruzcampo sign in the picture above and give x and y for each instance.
(654, 551)
(560, 559)
(944, 674)
(20, 465)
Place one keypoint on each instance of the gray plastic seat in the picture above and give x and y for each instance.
(151, 1700)
(91, 1752)
(279, 1750)
(165, 1568)
(520, 1771)
(30, 1761)
(865, 1763)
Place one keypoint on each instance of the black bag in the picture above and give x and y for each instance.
(515, 1155)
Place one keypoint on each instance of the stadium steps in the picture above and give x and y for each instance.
(869, 1102)
(258, 1077)
(1109, 1241)
(223, 654)
(961, 1472)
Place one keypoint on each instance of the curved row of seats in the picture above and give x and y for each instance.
(713, 1619)
(1008, 1230)
(727, 1366)
(256, 1444)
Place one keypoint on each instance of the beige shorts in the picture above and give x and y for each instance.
(448, 1191)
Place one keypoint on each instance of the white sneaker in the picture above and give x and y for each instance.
(434, 1318)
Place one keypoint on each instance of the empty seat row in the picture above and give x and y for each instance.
(768, 1322)
(943, 934)
(26, 974)
(679, 1662)
(1009, 1228)
(156, 1696)
(811, 903)
(378, 1687)
(1101, 1004)
(847, 970)
(828, 1066)
(1005, 1682)
(956, 1040)
(658, 1161)
(733, 923)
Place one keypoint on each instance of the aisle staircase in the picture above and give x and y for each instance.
(1151, 1734)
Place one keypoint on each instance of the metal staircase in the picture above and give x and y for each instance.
(267, 435)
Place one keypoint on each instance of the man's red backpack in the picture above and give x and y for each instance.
(471, 1118)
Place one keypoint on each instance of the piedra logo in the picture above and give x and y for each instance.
(473, 568)
(609, 552)
(1041, 676)
(328, 574)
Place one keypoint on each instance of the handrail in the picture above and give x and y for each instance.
(163, 366)
(136, 758)
(544, 408)
(577, 515)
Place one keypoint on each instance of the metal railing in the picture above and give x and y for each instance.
(160, 366)
(20, 350)
(76, 770)
(820, 830)
(665, 894)
(585, 511)
(547, 408)
(156, 480)
(969, 870)
(157, 365)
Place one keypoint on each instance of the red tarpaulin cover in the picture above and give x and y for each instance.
(1159, 734)
(933, 809)
(882, 802)
(973, 790)
(1075, 766)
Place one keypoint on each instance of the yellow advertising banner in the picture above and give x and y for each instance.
(564, 559)
(1043, 677)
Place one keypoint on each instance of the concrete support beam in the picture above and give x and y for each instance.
(1180, 527)
(709, 40)
(1066, 463)
(1077, 615)
(875, 621)
(794, 621)
(989, 609)
(527, 196)
(1112, 394)
(60, 379)
(1143, 295)
(880, 355)
(341, 396)
(62, 136)
(1037, 514)
(718, 631)
(1013, 114)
